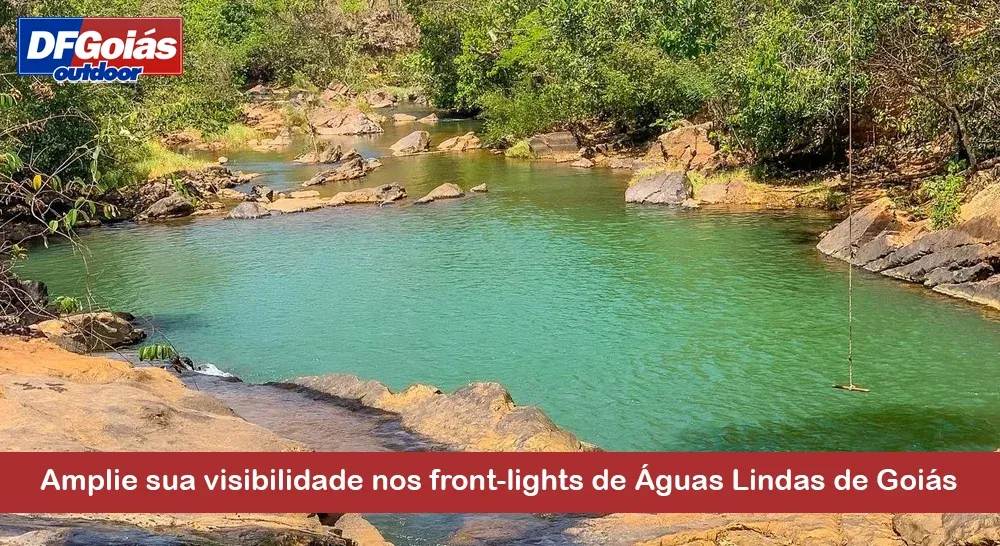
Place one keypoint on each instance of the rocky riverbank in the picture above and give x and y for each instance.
(54, 400)
(962, 261)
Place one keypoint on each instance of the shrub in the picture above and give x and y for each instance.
(945, 194)
(520, 150)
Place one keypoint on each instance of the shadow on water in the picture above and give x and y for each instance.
(883, 428)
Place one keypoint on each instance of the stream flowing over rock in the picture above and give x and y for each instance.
(961, 261)
(477, 417)
(664, 188)
(88, 332)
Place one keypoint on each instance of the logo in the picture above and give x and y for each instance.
(99, 49)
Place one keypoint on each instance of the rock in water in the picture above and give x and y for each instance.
(262, 193)
(415, 142)
(468, 141)
(379, 194)
(429, 119)
(248, 210)
(479, 189)
(349, 121)
(665, 188)
(583, 163)
(554, 144)
(444, 191)
(865, 225)
(87, 332)
(403, 118)
(356, 167)
(172, 206)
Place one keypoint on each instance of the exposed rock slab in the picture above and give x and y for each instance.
(478, 417)
(347, 121)
(554, 145)
(88, 332)
(664, 188)
(686, 148)
(383, 194)
(403, 118)
(413, 143)
(292, 205)
(865, 225)
(248, 210)
(350, 169)
(444, 191)
(468, 141)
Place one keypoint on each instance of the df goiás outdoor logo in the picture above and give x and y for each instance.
(99, 49)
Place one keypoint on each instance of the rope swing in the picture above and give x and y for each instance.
(850, 386)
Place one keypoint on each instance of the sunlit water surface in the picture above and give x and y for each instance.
(638, 328)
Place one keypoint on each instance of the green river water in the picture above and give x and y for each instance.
(638, 328)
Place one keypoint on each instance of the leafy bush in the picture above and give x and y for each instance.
(520, 150)
(156, 352)
(67, 305)
(945, 194)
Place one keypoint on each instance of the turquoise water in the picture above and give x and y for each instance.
(639, 328)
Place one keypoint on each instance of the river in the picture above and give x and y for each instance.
(636, 327)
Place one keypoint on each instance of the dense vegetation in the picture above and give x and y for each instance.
(774, 77)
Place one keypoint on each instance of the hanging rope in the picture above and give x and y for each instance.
(850, 195)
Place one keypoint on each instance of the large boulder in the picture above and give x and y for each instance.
(687, 148)
(380, 195)
(348, 121)
(554, 145)
(351, 169)
(262, 193)
(324, 154)
(664, 188)
(468, 141)
(248, 210)
(381, 98)
(413, 143)
(429, 119)
(88, 332)
(862, 227)
(444, 191)
(175, 205)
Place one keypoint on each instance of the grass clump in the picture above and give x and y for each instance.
(159, 161)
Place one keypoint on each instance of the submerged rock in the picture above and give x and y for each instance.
(175, 205)
(444, 191)
(665, 188)
(415, 142)
(583, 163)
(479, 189)
(88, 332)
(248, 210)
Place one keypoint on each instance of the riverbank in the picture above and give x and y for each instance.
(961, 261)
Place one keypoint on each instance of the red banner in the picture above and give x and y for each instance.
(499, 482)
